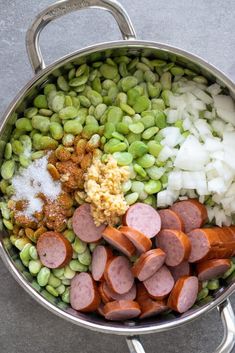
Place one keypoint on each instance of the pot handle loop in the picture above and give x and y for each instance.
(63, 7)
(227, 316)
(227, 344)
(134, 344)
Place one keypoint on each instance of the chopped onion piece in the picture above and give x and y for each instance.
(187, 123)
(214, 89)
(175, 180)
(224, 102)
(192, 156)
(218, 126)
(229, 140)
(172, 136)
(226, 115)
(166, 198)
(203, 127)
(217, 185)
(231, 190)
(166, 153)
(202, 96)
(172, 115)
(212, 144)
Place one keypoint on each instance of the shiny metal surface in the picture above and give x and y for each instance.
(134, 344)
(227, 344)
(228, 320)
(62, 7)
(96, 52)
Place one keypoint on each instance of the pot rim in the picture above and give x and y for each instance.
(131, 329)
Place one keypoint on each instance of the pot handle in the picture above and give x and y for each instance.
(62, 7)
(227, 344)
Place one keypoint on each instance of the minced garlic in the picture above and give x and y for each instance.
(103, 185)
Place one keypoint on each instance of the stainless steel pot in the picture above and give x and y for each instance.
(130, 46)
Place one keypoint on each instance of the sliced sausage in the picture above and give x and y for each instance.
(181, 270)
(148, 263)
(118, 275)
(84, 295)
(211, 269)
(54, 250)
(232, 230)
(141, 292)
(211, 243)
(114, 237)
(227, 236)
(105, 297)
(203, 241)
(100, 309)
(148, 306)
(121, 310)
(100, 257)
(84, 226)
(192, 212)
(138, 239)
(175, 244)
(109, 293)
(160, 284)
(143, 218)
(72, 311)
(184, 294)
(171, 220)
(152, 307)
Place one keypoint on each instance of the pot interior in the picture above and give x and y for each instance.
(23, 100)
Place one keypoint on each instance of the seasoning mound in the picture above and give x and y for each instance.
(103, 185)
(31, 182)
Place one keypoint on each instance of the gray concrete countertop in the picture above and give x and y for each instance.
(203, 27)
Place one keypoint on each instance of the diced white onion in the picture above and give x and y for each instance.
(165, 153)
(214, 89)
(201, 164)
(192, 156)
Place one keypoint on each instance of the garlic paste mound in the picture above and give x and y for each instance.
(103, 185)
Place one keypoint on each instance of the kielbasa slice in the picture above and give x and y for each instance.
(184, 294)
(84, 295)
(181, 270)
(105, 297)
(171, 220)
(175, 244)
(100, 309)
(202, 242)
(232, 230)
(121, 310)
(114, 237)
(130, 295)
(192, 212)
(118, 275)
(227, 237)
(152, 307)
(84, 226)
(160, 284)
(148, 306)
(143, 218)
(148, 263)
(211, 243)
(100, 257)
(54, 249)
(211, 269)
(138, 239)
